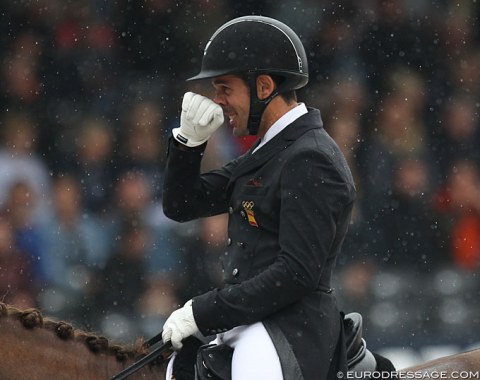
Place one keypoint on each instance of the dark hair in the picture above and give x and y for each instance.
(288, 96)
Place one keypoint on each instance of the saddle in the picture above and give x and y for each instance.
(359, 358)
(214, 361)
(356, 347)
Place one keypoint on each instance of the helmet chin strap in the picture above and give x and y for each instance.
(257, 106)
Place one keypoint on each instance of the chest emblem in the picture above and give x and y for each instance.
(248, 207)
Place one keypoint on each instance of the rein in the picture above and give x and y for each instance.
(150, 357)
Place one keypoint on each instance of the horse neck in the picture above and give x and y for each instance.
(38, 353)
(450, 367)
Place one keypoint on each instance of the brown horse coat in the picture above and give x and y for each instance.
(40, 349)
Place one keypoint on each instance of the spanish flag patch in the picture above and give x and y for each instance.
(251, 218)
(248, 207)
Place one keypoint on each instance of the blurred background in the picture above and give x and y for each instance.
(90, 90)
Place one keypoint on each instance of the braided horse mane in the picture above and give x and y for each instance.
(37, 348)
(56, 350)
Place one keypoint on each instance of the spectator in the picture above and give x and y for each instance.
(143, 147)
(123, 281)
(133, 200)
(19, 161)
(19, 210)
(407, 238)
(17, 284)
(393, 38)
(20, 72)
(397, 132)
(147, 41)
(458, 206)
(156, 303)
(76, 249)
(89, 157)
(458, 133)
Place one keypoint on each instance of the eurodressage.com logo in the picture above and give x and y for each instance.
(410, 375)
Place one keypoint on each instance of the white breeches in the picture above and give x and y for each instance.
(254, 355)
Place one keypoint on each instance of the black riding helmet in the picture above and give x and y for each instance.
(253, 45)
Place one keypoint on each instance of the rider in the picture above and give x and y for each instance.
(289, 200)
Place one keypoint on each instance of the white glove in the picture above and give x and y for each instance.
(180, 325)
(200, 118)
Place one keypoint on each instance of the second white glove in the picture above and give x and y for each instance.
(200, 117)
(180, 325)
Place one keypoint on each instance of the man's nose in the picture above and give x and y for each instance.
(217, 100)
(220, 100)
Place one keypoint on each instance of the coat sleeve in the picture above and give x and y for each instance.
(315, 200)
(189, 195)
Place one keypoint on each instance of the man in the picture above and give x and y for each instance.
(289, 201)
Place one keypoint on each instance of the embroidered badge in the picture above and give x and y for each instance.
(248, 207)
(254, 182)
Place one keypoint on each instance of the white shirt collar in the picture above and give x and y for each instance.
(281, 123)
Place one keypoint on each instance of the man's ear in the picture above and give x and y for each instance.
(265, 86)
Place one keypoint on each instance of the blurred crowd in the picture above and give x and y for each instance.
(91, 90)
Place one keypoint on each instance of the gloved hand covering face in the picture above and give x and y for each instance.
(199, 119)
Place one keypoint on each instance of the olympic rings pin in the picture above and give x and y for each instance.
(248, 207)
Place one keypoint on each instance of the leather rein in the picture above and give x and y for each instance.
(150, 357)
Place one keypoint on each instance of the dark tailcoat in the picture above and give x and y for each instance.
(289, 204)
